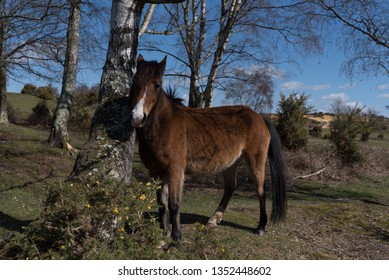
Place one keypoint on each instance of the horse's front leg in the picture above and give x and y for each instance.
(176, 180)
(163, 205)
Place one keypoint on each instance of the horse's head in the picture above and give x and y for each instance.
(146, 87)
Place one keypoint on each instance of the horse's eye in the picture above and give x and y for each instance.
(157, 85)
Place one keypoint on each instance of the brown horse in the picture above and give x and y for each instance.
(175, 140)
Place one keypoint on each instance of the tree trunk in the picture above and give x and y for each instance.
(196, 99)
(108, 153)
(3, 77)
(59, 136)
(227, 21)
(3, 96)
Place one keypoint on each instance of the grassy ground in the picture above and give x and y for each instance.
(327, 219)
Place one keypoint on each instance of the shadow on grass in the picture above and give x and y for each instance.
(29, 183)
(324, 192)
(191, 218)
(11, 223)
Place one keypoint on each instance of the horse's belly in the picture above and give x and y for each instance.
(212, 163)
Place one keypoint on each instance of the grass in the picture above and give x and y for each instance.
(345, 219)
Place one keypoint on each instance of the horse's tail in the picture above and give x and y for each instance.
(279, 175)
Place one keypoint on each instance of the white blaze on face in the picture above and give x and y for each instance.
(138, 111)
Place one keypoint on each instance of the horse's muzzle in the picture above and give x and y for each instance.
(138, 120)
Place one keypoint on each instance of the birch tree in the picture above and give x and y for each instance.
(59, 136)
(218, 36)
(108, 153)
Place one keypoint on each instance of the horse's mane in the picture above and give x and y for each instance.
(172, 94)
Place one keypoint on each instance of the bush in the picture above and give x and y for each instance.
(15, 115)
(344, 128)
(41, 114)
(92, 221)
(315, 131)
(29, 89)
(84, 103)
(47, 92)
(291, 123)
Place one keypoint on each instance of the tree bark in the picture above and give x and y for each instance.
(108, 152)
(59, 136)
(3, 77)
(3, 96)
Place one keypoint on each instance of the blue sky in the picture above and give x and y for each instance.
(320, 77)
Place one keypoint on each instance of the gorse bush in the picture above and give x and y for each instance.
(93, 221)
(344, 129)
(41, 114)
(291, 124)
(85, 102)
(48, 92)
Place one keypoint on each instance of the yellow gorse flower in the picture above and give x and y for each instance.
(116, 210)
(142, 197)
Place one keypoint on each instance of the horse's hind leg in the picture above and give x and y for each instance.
(257, 165)
(229, 177)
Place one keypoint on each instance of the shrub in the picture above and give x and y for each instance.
(41, 114)
(47, 92)
(84, 103)
(315, 131)
(92, 221)
(344, 128)
(291, 123)
(29, 89)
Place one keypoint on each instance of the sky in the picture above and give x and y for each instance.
(318, 76)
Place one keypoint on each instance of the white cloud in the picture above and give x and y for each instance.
(383, 87)
(335, 96)
(347, 85)
(384, 95)
(296, 85)
(320, 87)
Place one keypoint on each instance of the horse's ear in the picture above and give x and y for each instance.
(140, 58)
(162, 64)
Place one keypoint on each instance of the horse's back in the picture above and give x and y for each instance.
(218, 137)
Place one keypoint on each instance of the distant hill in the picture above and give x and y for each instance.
(324, 120)
(22, 104)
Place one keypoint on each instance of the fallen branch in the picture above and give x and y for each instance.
(310, 175)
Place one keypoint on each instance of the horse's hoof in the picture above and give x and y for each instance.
(176, 236)
(211, 225)
(163, 245)
(260, 231)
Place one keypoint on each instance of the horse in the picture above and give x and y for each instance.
(175, 140)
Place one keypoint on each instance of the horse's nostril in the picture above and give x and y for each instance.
(144, 118)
